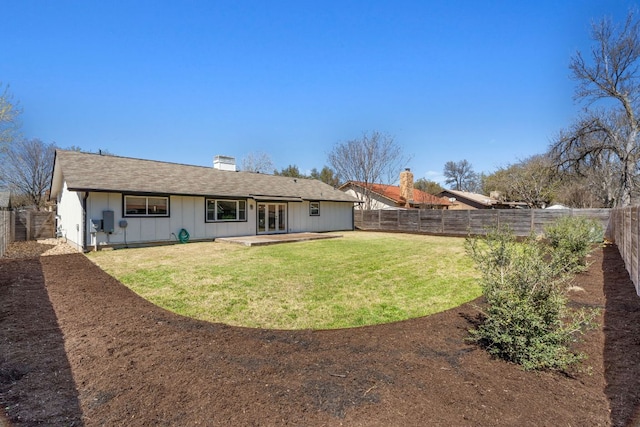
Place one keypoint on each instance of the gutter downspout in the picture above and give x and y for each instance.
(84, 221)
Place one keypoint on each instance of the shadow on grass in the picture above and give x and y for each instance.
(36, 382)
(622, 341)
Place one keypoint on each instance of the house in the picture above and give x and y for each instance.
(5, 200)
(112, 200)
(466, 200)
(404, 196)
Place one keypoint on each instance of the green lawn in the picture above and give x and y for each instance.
(359, 279)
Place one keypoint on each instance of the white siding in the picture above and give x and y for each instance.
(69, 213)
(377, 202)
(184, 212)
(334, 216)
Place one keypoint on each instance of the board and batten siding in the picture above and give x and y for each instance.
(184, 212)
(334, 216)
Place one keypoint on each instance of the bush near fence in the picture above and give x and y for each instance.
(464, 222)
(624, 231)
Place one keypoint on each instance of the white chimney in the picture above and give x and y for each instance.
(224, 163)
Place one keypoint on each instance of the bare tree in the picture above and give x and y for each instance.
(257, 162)
(461, 176)
(533, 181)
(9, 113)
(606, 138)
(26, 169)
(374, 158)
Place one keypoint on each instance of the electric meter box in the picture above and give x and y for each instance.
(108, 221)
(96, 225)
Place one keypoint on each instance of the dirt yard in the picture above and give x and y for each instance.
(78, 348)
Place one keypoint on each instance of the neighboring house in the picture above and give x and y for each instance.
(404, 196)
(465, 200)
(5, 200)
(112, 200)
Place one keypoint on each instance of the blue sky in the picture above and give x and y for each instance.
(485, 81)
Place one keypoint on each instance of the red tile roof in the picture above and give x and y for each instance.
(392, 192)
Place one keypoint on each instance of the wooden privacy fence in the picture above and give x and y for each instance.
(6, 230)
(464, 222)
(624, 230)
(32, 225)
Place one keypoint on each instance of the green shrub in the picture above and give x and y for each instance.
(527, 320)
(571, 239)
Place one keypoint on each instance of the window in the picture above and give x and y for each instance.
(226, 210)
(146, 206)
(314, 208)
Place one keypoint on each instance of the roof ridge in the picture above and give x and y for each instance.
(154, 161)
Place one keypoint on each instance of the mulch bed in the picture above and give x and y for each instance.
(79, 348)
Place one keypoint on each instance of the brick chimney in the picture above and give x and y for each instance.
(406, 186)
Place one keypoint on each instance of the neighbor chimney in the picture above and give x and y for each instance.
(406, 186)
(224, 163)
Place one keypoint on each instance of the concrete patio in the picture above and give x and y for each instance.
(272, 239)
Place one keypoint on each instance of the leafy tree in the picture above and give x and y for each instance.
(9, 113)
(428, 186)
(326, 175)
(26, 169)
(461, 176)
(605, 139)
(374, 158)
(291, 171)
(257, 162)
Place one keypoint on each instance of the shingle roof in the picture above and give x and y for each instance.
(478, 198)
(106, 173)
(392, 192)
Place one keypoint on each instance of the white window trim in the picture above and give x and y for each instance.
(311, 209)
(238, 210)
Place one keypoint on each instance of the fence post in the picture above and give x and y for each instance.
(533, 222)
(13, 226)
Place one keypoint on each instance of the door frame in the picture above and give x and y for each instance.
(278, 222)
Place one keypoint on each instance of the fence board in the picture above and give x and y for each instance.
(408, 220)
(431, 221)
(634, 245)
(32, 225)
(623, 230)
(462, 222)
(542, 218)
(519, 221)
(481, 221)
(453, 222)
(5, 231)
(388, 219)
(43, 225)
